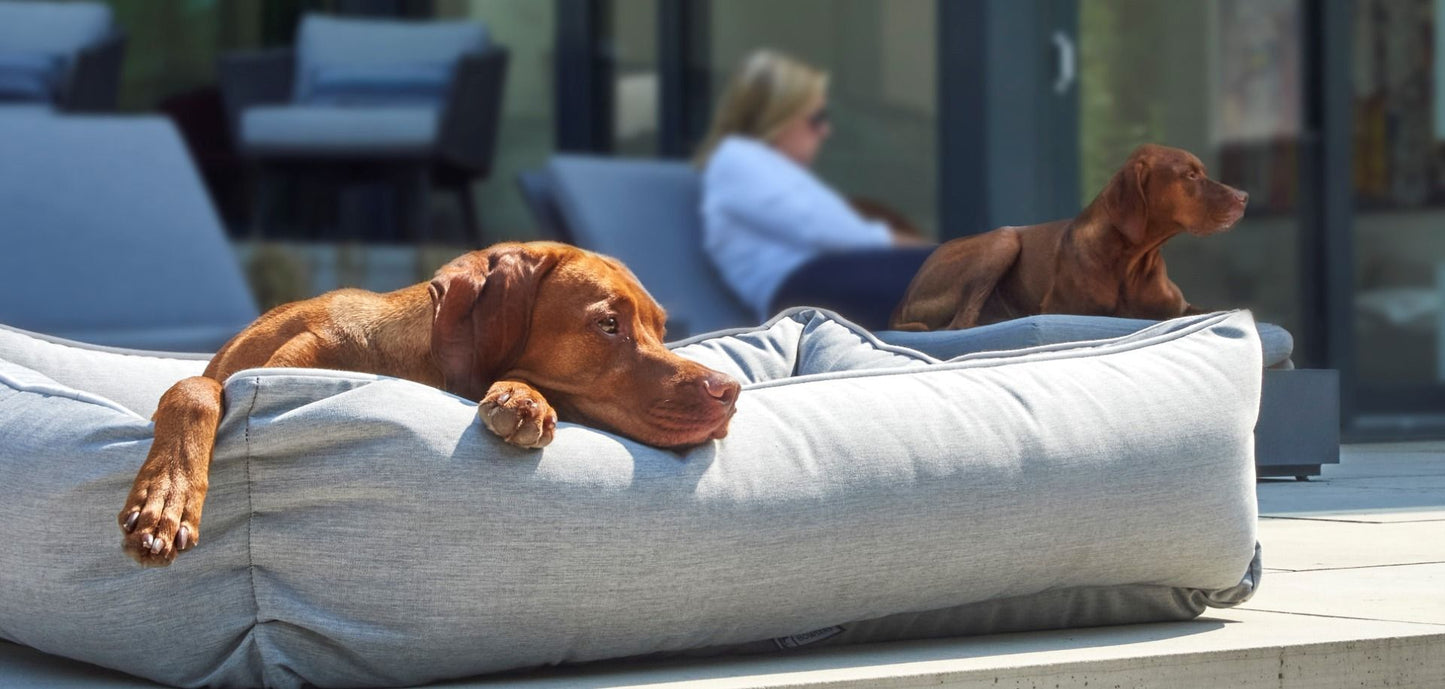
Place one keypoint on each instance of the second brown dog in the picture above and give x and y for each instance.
(1105, 262)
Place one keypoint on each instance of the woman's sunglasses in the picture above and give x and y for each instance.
(819, 119)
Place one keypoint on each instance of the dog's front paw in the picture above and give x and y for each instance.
(162, 516)
(518, 414)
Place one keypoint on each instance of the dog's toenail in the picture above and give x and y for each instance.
(131, 520)
(145, 542)
(503, 399)
(183, 539)
(156, 546)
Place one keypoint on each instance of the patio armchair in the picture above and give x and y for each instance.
(65, 55)
(417, 103)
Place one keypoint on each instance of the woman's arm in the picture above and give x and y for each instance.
(806, 213)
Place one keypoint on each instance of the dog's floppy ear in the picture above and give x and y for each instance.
(1124, 198)
(481, 313)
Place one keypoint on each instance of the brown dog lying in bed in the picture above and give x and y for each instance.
(1105, 262)
(535, 332)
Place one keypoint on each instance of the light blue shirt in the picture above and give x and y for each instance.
(764, 215)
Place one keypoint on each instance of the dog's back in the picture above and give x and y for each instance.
(1104, 262)
(999, 275)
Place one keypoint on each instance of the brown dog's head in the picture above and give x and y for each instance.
(1162, 191)
(581, 329)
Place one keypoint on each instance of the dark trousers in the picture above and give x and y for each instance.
(862, 286)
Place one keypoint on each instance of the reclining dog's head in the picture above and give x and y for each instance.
(1162, 191)
(579, 328)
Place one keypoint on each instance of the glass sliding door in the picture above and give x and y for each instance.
(525, 139)
(1399, 229)
(1222, 79)
(631, 43)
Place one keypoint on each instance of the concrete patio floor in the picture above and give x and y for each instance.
(1353, 596)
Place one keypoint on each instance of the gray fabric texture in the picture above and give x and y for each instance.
(365, 531)
(29, 77)
(134, 380)
(400, 130)
(796, 343)
(110, 237)
(380, 84)
(324, 41)
(1277, 345)
(56, 28)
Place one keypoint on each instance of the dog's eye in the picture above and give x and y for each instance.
(1193, 175)
(608, 325)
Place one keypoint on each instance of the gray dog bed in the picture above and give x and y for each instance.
(366, 531)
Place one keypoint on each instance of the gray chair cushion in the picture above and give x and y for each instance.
(29, 77)
(647, 214)
(365, 531)
(54, 28)
(400, 84)
(328, 42)
(396, 130)
(110, 237)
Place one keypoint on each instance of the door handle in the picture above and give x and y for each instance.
(1067, 71)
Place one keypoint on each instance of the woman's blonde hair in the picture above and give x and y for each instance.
(767, 91)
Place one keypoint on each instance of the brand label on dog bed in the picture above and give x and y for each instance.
(815, 636)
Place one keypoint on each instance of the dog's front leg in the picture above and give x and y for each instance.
(162, 516)
(517, 413)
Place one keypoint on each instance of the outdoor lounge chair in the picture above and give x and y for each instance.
(674, 265)
(109, 236)
(646, 213)
(416, 104)
(62, 54)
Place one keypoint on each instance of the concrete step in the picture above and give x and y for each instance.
(1237, 648)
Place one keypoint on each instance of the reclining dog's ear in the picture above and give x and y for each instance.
(481, 314)
(1124, 198)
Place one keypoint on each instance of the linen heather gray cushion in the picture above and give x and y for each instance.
(324, 42)
(365, 531)
(56, 28)
(1276, 344)
(111, 216)
(395, 129)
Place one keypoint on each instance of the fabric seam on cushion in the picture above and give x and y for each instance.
(1057, 590)
(1132, 339)
(856, 330)
(794, 314)
(64, 392)
(1061, 351)
(105, 349)
(324, 373)
(251, 515)
(1167, 331)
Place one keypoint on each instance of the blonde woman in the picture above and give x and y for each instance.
(765, 213)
